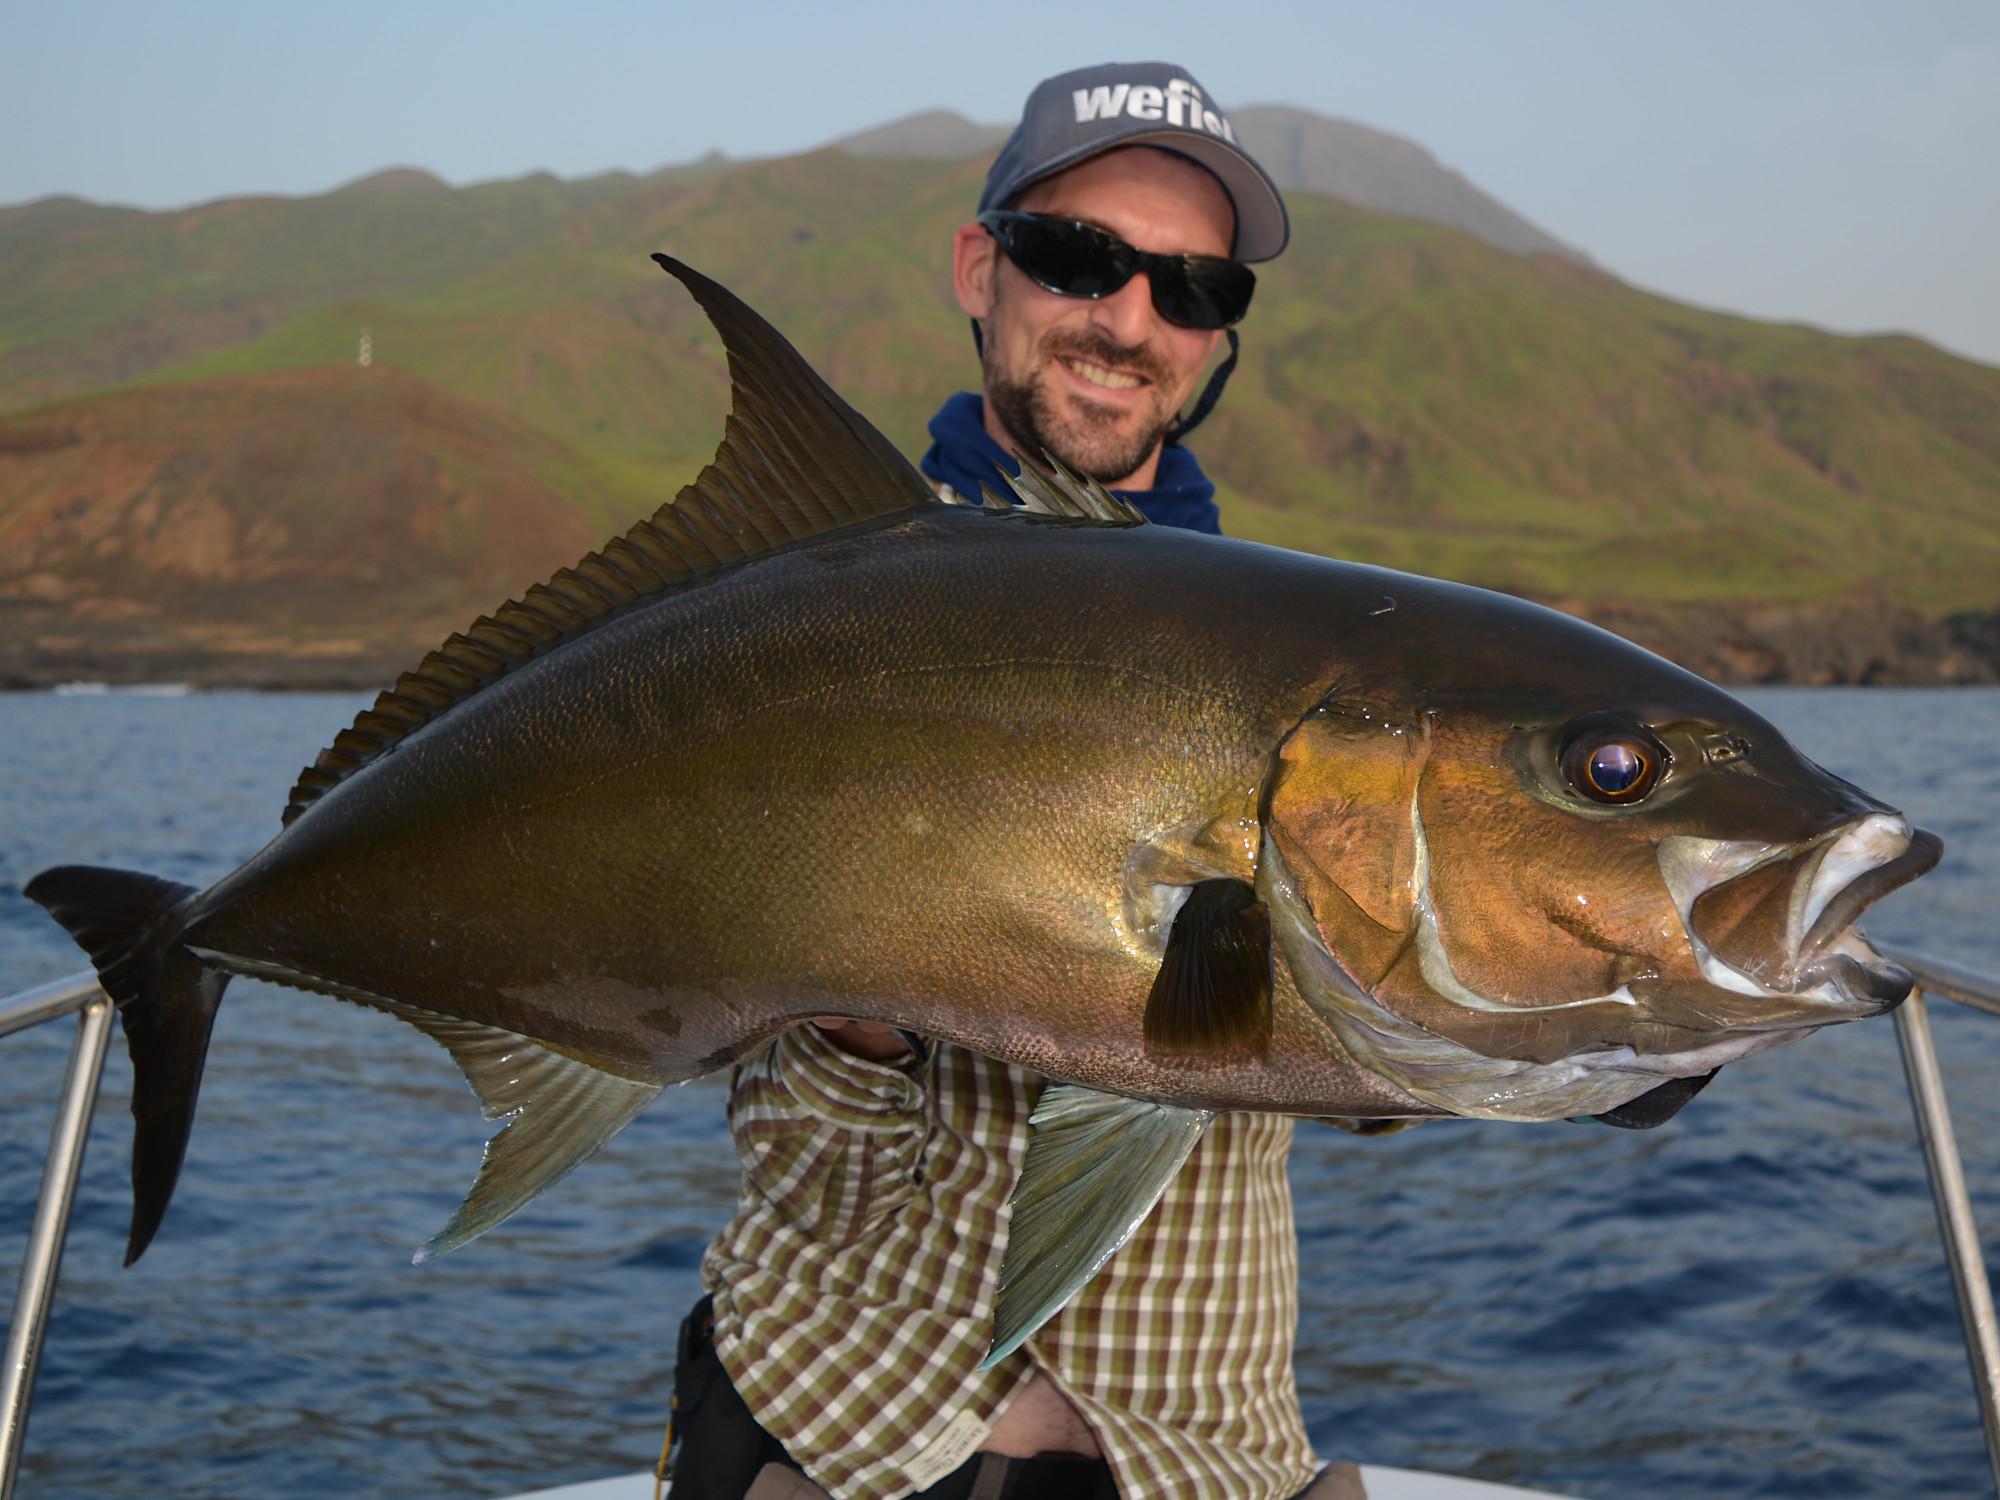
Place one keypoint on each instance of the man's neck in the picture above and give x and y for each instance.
(1142, 478)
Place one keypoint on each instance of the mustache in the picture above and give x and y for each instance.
(1093, 345)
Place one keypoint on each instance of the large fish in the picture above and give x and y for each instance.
(1186, 824)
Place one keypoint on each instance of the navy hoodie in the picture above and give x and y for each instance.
(963, 455)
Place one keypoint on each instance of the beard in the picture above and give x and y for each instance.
(1102, 442)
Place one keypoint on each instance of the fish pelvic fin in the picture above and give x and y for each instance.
(796, 462)
(559, 1106)
(166, 997)
(1097, 1163)
(1213, 989)
(1655, 1107)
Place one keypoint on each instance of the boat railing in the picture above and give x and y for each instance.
(30, 1325)
(1947, 1169)
(82, 993)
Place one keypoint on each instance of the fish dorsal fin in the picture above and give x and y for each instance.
(1061, 493)
(796, 461)
(1097, 1163)
(559, 1107)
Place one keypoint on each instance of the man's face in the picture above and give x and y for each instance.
(1096, 383)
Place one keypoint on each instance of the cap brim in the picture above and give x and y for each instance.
(1263, 228)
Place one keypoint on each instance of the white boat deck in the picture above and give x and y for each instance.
(1383, 1484)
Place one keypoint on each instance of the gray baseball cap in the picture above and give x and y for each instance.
(1074, 116)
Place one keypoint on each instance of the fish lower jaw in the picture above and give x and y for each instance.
(1865, 983)
(1845, 980)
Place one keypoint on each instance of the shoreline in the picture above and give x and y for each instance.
(1839, 643)
(1843, 642)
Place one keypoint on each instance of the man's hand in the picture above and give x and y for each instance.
(869, 1039)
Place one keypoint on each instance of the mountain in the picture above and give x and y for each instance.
(934, 135)
(1303, 152)
(1728, 489)
(1310, 153)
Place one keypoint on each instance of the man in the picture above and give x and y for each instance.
(1099, 381)
(852, 1294)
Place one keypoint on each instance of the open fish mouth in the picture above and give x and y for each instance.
(1778, 922)
(1772, 925)
(1442, 1071)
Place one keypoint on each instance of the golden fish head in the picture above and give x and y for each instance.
(1518, 903)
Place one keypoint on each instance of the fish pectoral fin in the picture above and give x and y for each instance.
(1097, 1163)
(559, 1108)
(1213, 990)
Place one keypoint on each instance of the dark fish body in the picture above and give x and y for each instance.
(858, 778)
(1194, 823)
(854, 778)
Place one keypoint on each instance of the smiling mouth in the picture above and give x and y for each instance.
(1100, 375)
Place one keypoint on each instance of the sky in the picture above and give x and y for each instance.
(1828, 162)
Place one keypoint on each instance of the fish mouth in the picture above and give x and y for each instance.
(1771, 927)
(1777, 922)
(1841, 910)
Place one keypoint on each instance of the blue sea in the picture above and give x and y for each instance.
(1750, 1301)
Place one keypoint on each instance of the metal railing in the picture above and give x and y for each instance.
(1954, 1204)
(81, 992)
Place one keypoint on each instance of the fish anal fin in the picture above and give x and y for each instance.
(559, 1106)
(1097, 1163)
(558, 1110)
(1213, 989)
(796, 461)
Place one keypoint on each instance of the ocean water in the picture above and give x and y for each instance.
(1750, 1301)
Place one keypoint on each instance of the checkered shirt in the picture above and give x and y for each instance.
(854, 1288)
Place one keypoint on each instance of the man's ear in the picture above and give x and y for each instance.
(975, 256)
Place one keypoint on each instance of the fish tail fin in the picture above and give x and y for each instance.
(130, 925)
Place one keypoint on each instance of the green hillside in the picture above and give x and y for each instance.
(1408, 395)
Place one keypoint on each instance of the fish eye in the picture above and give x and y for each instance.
(1612, 762)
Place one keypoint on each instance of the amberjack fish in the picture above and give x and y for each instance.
(1186, 824)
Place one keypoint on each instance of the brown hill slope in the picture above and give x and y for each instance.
(311, 527)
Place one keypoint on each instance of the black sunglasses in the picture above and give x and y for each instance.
(1073, 259)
